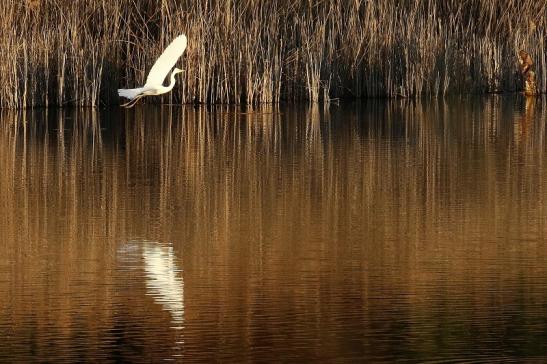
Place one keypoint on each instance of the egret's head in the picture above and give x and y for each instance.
(176, 70)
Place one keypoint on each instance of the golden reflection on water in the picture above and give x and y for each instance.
(379, 230)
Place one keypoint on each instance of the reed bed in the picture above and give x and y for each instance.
(78, 52)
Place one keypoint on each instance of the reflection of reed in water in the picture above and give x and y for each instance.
(303, 213)
(52, 235)
(432, 191)
(525, 121)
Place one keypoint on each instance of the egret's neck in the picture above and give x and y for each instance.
(172, 83)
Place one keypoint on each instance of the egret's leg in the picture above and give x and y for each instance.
(134, 102)
(127, 103)
(131, 103)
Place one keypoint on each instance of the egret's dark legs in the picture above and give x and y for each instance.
(131, 103)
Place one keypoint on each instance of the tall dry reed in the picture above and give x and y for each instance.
(78, 52)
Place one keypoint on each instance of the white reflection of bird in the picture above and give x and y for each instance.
(160, 69)
(163, 280)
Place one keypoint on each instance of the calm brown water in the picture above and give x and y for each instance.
(374, 231)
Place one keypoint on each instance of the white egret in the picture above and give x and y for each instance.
(156, 76)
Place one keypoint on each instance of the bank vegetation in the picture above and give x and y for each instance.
(78, 52)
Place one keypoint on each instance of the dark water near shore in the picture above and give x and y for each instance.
(374, 231)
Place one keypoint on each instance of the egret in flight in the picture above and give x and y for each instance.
(160, 69)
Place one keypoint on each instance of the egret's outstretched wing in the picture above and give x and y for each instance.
(167, 60)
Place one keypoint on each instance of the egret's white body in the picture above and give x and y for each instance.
(158, 72)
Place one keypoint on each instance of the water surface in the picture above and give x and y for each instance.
(371, 231)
